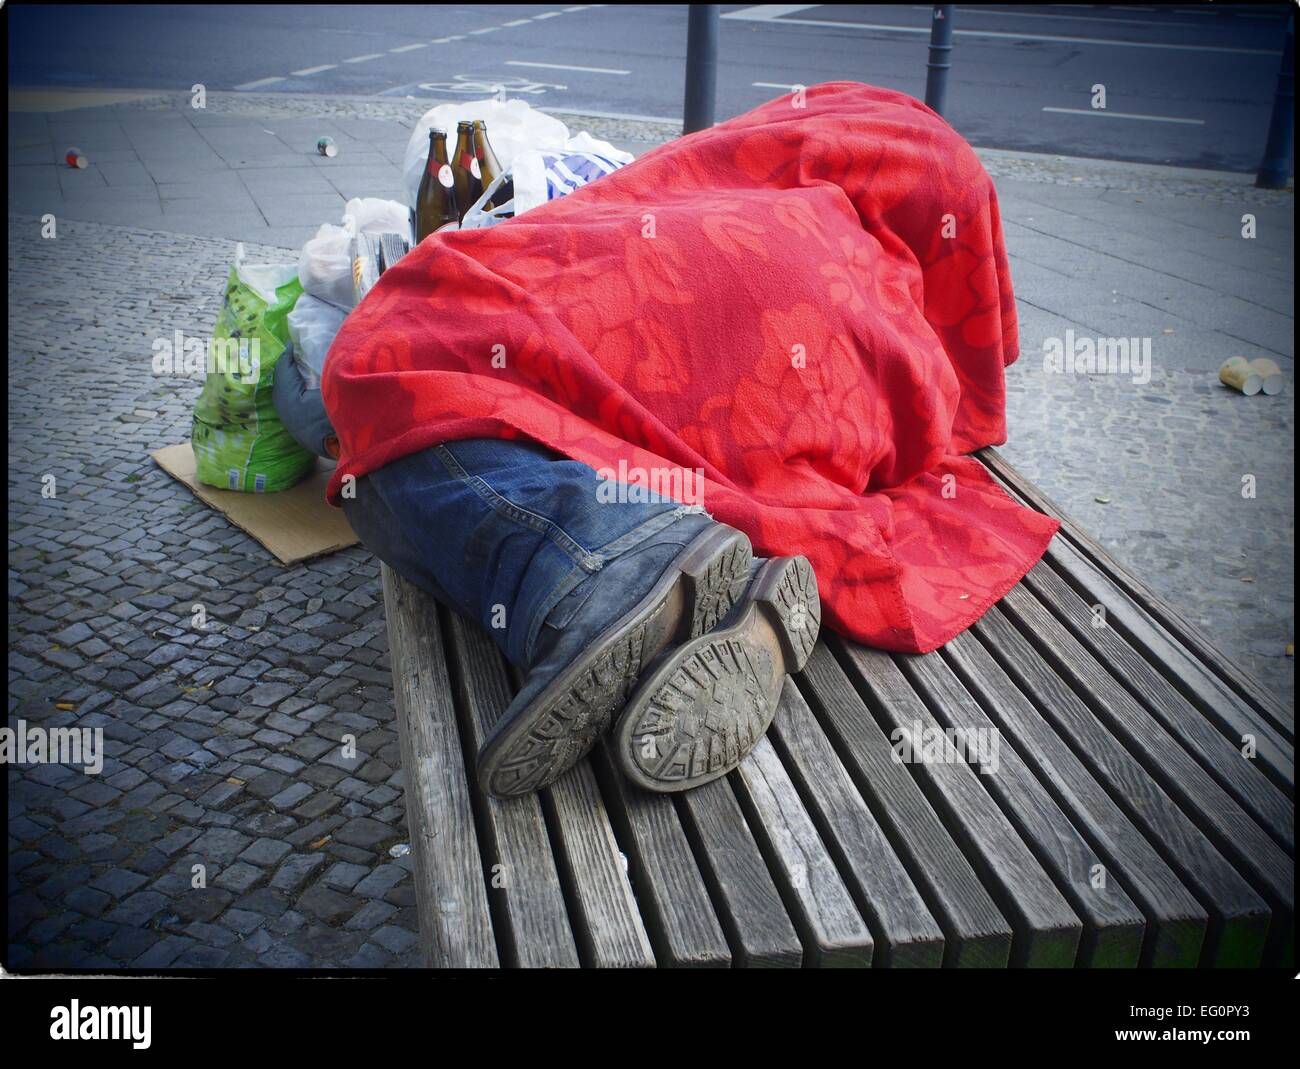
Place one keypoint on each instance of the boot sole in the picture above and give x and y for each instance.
(704, 706)
(557, 730)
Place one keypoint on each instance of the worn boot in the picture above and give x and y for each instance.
(705, 704)
(675, 585)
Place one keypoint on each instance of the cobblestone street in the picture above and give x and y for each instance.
(224, 744)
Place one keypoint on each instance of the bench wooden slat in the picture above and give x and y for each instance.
(749, 905)
(1239, 776)
(1239, 916)
(1214, 699)
(1157, 608)
(1046, 929)
(606, 920)
(833, 932)
(1176, 922)
(455, 929)
(1256, 855)
(533, 922)
(1112, 925)
(669, 887)
(976, 933)
(906, 934)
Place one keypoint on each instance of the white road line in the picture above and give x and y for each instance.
(571, 10)
(772, 85)
(518, 22)
(765, 12)
(409, 48)
(444, 40)
(486, 29)
(879, 27)
(565, 67)
(259, 83)
(364, 59)
(314, 70)
(546, 15)
(1103, 113)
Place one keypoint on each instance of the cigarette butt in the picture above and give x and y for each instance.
(1238, 374)
(1270, 375)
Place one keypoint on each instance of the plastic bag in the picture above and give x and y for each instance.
(325, 266)
(239, 442)
(312, 326)
(372, 215)
(512, 126)
(538, 177)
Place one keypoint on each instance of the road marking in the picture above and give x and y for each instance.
(766, 12)
(444, 40)
(364, 59)
(314, 70)
(772, 85)
(879, 27)
(486, 29)
(409, 48)
(564, 67)
(546, 15)
(518, 22)
(259, 83)
(1103, 113)
(571, 10)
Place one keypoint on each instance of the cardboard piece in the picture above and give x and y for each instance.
(293, 524)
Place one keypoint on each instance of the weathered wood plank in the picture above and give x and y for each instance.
(976, 933)
(1142, 595)
(455, 927)
(1222, 707)
(1239, 916)
(532, 920)
(606, 920)
(749, 905)
(1255, 854)
(1176, 922)
(669, 887)
(1046, 930)
(906, 934)
(1113, 925)
(833, 932)
(1223, 759)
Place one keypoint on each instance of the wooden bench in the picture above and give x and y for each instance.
(1122, 827)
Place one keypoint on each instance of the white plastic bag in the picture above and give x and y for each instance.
(325, 266)
(372, 215)
(512, 127)
(312, 326)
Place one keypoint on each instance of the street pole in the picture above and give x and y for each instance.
(1276, 165)
(936, 70)
(701, 67)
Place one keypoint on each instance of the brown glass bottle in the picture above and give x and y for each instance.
(465, 169)
(489, 167)
(436, 204)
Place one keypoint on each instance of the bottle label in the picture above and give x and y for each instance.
(474, 169)
(444, 175)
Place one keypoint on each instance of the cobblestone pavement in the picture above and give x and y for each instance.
(224, 744)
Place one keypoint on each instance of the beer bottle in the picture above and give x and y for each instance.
(436, 205)
(489, 167)
(464, 168)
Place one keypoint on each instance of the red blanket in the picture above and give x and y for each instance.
(810, 304)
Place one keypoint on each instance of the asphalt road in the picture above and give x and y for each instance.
(1184, 84)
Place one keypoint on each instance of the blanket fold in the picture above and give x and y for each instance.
(811, 306)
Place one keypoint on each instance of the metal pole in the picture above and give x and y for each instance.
(701, 67)
(1276, 165)
(936, 70)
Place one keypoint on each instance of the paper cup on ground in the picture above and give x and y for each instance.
(1270, 375)
(1238, 374)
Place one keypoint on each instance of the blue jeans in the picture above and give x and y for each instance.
(502, 531)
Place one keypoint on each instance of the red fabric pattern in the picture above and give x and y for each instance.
(860, 227)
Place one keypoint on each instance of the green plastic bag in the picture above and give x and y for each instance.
(239, 442)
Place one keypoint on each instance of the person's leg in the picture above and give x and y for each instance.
(579, 587)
